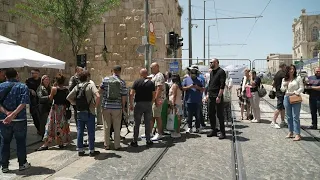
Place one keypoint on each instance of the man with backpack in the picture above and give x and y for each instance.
(114, 99)
(85, 96)
(73, 82)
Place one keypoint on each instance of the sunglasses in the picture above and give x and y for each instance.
(211, 62)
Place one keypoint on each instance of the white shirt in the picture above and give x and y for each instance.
(295, 86)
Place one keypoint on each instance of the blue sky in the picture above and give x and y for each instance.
(271, 34)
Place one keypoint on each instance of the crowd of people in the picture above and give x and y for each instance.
(151, 98)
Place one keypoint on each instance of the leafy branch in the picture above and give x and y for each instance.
(74, 18)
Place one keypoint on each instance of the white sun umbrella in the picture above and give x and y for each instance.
(2, 38)
(15, 56)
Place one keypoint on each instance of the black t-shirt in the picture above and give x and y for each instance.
(278, 79)
(258, 83)
(144, 89)
(33, 84)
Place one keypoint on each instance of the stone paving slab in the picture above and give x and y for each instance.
(196, 156)
(268, 155)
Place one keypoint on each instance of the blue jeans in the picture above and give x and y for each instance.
(292, 115)
(194, 109)
(85, 119)
(18, 129)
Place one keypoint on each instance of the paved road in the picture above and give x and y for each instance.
(268, 155)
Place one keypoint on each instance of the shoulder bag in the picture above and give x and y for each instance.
(294, 99)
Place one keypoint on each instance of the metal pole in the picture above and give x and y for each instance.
(208, 42)
(146, 33)
(204, 32)
(190, 35)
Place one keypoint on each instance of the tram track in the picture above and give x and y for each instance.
(239, 172)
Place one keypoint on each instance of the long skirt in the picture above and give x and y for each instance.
(57, 127)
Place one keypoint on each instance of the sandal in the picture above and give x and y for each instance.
(42, 148)
(297, 138)
(290, 135)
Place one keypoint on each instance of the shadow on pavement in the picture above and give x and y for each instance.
(240, 126)
(104, 156)
(33, 170)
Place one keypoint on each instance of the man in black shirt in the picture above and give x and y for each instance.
(33, 83)
(216, 87)
(143, 91)
(280, 96)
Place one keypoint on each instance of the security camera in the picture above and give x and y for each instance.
(196, 26)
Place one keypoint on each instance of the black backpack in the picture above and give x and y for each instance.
(81, 100)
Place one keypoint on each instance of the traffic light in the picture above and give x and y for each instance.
(172, 39)
(179, 42)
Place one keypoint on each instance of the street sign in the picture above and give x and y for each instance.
(151, 27)
(174, 66)
(141, 49)
(152, 38)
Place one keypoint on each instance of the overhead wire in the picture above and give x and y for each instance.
(254, 24)
(209, 10)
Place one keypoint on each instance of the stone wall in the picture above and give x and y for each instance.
(124, 31)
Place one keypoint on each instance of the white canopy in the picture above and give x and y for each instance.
(15, 56)
(2, 38)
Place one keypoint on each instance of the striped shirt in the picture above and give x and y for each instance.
(112, 104)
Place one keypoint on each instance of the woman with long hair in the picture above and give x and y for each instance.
(45, 103)
(293, 86)
(243, 99)
(175, 100)
(57, 127)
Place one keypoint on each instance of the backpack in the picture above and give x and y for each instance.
(81, 100)
(114, 86)
(75, 81)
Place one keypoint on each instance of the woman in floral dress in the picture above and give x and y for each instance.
(57, 127)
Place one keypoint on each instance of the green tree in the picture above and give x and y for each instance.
(74, 18)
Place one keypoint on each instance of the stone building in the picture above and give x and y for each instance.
(275, 59)
(305, 35)
(124, 31)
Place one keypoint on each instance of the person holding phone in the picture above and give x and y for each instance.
(193, 87)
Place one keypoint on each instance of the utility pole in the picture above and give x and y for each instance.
(146, 33)
(190, 34)
(209, 40)
(204, 32)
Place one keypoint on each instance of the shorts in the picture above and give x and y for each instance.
(156, 111)
(280, 105)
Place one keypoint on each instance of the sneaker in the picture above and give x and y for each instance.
(24, 166)
(134, 144)
(81, 153)
(197, 130)
(177, 135)
(94, 153)
(149, 143)
(222, 136)
(255, 121)
(189, 130)
(156, 137)
(275, 125)
(5, 170)
(144, 135)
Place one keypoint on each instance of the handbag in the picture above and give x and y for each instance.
(262, 91)
(172, 120)
(272, 94)
(248, 92)
(294, 99)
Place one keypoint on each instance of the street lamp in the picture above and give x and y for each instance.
(209, 40)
